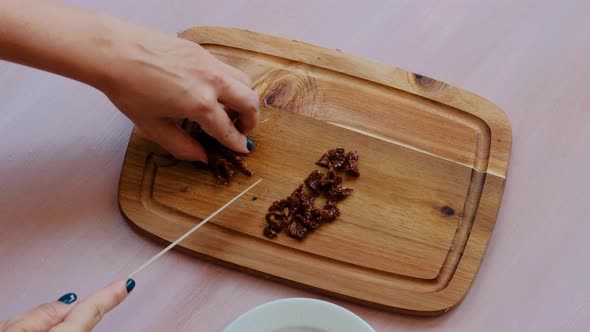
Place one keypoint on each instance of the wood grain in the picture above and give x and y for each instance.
(403, 241)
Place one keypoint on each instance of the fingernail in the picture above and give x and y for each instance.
(68, 298)
(199, 164)
(130, 285)
(249, 144)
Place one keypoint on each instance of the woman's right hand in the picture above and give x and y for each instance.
(157, 80)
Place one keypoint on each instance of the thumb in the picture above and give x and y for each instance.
(43, 317)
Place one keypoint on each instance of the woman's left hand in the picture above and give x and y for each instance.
(69, 315)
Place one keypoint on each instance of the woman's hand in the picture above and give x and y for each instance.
(69, 315)
(158, 80)
(153, 78)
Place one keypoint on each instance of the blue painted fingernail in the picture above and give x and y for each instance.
(130, 285)
(199, 164)
(68, 298)
(250, 145)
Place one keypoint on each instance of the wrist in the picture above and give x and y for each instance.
(120, 51)
(99, 68)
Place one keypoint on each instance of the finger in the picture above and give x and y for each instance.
(43, 317)
(241, 100)
(175, 140)
(91, 310)
(237, 74)
(216, 122)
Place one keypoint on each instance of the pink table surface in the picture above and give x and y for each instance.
(62, 146)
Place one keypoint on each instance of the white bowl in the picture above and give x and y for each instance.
(299, 315)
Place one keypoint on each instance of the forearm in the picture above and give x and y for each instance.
(57, 38)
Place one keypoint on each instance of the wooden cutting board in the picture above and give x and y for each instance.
(433, 161)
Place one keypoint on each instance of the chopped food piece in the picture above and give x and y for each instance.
(269, 231)
(276, 221)
(330, 212)
(297, 231)
(220, 167)
(339, 192)
(324, 161)
(351, 163)
(295, 201)
(301, 203)
(309, 223)
(339, 160)
(279, 206)
(313, 182)
(330, 180)
(236, 160)
(337, 157)
(316, 214)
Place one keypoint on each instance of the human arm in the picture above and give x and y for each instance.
(155, 79)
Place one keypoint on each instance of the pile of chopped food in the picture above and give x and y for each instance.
(297, 213)
(222, 160)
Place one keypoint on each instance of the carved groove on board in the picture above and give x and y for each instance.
(462, 233)
(481, 158)
(450, 264)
